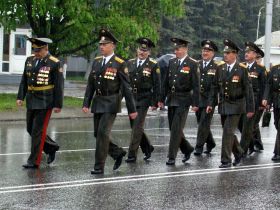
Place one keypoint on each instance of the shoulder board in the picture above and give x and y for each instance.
(53, 59)
(193, 59)
(119, 59)
(153, 60)
(277, 65)
(132, 59)
(98, 57)
(219, 63)
(243, 65)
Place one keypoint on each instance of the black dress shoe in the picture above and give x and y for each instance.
(236, 161)
(209, 149)
(198, 151)
(131, 160)
(118, 161)
(251, 151)
(186, 158)
(97, 171)
(148, 154)
(170, 162)
(51, 157)
(30, 166)
(276, 158)
(225, 165)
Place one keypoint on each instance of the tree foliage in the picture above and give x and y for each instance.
(74, 24)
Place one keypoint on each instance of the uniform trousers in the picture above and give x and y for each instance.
(138, 136)
(103, 123)
(37, 121)
(177, 116)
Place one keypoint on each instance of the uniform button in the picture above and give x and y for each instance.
(226, 88)
(203, 74)
(226, 82)
(175, 75)
(32, 79)
(33, 73)
(135, 79)
(98, 82)
(201, 80)
(174, 80)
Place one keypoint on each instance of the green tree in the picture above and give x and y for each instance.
(74, 24)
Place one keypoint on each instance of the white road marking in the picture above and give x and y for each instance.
(122, 179)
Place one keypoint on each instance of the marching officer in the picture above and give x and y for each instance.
(42, 85)
(233, 85)
(107, 82)
(272, 97)
(144, 75)
(181, 89)
(207, 69)
(251, 136)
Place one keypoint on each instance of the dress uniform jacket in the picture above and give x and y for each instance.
(42, 84)
(272, 90)
(207, 75)
(257, 74)
(145, 82)
(235, 90)
(104, 85)
(182, 83)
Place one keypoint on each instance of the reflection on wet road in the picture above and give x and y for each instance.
(198, 184)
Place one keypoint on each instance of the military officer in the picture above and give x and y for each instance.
(181, 90)
(207, 67)
(233, 85)
(42, 85)
(107, 83)
(272, 97)
(144, 75)
(251, 135)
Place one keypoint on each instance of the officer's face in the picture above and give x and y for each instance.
(181, 52)
(141, 54)
(250, 56)
(207, 54)
(106, 49)
(229, 57)
(41, 53)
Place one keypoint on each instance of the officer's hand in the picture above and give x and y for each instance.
(264, 103)
(56, 110)
(160, 105)
(195, 108)
(85, 109)
(19, 102)
(133, 115)
(250, 114)
(209, 109)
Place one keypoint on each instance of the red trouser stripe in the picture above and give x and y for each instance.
(43, 137)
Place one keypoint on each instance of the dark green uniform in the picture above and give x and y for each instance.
(105, 88)
(181, 89)
(42, 85)
(234, 100)
(272, 94)
(250, 127)
(145, 83)
(204, 134)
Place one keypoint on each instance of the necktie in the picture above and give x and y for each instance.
(104, 62)
(228, 69)
(37, 62)
(205, 64)
(179, 63)
(139, 63)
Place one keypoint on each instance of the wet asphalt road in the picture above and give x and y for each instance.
(68, 184)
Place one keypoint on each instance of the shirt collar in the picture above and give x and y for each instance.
(182, 59)
(232, 65)
(142, 61)
(108, 57)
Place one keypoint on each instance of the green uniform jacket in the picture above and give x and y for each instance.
(235, 90)
(181, 86)
(272, 90)
(106, 86)
(145, 82)
(206, 78)
(43, 84)
(257, 74)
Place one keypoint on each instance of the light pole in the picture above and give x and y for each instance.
(259, 15)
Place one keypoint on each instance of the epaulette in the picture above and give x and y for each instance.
(54, 59)
(219, 63)
(119, 59)
(193, 59)
(243, 65)
(153, 60)
(132, 59)
(98, 57)
(276, 65)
